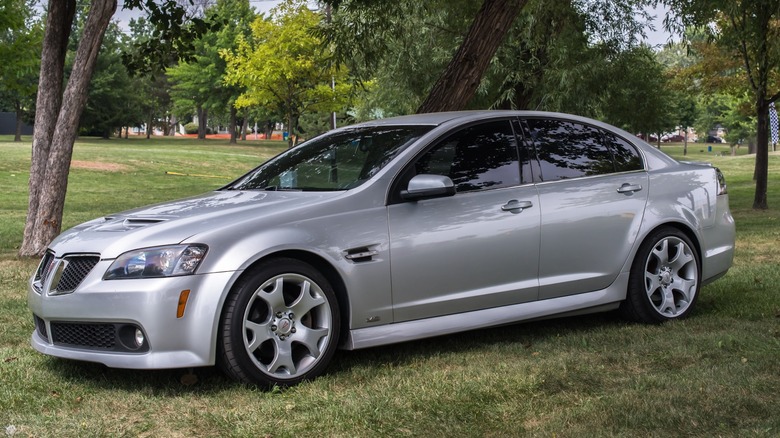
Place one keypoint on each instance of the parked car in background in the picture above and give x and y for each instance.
(714, 139)
(385, 232)
(673, 138)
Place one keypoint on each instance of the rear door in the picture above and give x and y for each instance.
(592, 194)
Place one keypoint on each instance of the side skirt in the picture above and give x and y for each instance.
(580, 304)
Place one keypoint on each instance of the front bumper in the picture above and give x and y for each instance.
(95, 322)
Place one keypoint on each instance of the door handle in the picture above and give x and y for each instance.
(629, 188)
(515, 205)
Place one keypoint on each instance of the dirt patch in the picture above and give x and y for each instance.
(97, 165)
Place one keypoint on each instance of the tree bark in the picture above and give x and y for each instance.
(762, 155)
(457, 84)
(149, 124)
(48, 101)
(19, 121)
(202, 122)
(232, 125)
(57, 117)
(244, 124)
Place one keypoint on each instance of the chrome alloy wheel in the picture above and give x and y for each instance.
(287, 326)
(671, 276)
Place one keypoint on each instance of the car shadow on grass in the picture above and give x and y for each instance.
(522, 337)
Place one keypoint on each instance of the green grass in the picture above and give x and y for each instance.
(714, 374)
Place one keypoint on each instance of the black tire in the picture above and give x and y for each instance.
(279, 326)
(665, 278)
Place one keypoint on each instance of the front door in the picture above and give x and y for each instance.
(477, 249)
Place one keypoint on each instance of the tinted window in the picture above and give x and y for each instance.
(569, 150)
(626, 156)
(476, 158)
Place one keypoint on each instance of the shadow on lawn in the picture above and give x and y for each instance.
(175, 382)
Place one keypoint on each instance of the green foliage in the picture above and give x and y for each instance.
(745, 37)
(640, 100)
(20, 56)
(191, 128)
(561, 56)
(114, 97)
(199, 83)
(283, 67)
(173, 36)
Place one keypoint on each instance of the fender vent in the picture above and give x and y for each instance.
(361, 254)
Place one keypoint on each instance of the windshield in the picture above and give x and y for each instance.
(338, 161)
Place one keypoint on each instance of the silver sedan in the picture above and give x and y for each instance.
(385, 232)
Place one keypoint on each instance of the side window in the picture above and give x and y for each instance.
(627, 158)
(569, 150)
(476, 158)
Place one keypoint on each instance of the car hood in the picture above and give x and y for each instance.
(176, 221)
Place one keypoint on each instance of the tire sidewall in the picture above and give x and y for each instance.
(234, 354)
(637, 305)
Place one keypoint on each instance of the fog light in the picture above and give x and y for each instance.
(139, 337)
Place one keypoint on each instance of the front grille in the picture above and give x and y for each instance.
(74, 269)
(93, 336)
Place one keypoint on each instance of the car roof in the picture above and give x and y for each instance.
(436, 119)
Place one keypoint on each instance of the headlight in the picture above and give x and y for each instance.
(163, 261)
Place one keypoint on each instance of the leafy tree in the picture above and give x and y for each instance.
(476, 44)
(548, 59)
(395, 49)
(114, 100)
(639, 101)
(282, 66)
(58, 110)
(748, 31)
(20, 53)
(198, 84)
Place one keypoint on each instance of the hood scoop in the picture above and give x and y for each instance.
(127, 224)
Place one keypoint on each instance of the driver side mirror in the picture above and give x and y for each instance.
(428, 186)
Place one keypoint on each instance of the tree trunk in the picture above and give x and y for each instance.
(202, 122)
(173, 123)
(55, 44)
(232, 125)
(57, 117)
(456, 86)
(289, 130)
(149, 125)
(245, 125)
(19, 121)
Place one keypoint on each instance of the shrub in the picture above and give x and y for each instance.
(191, 128)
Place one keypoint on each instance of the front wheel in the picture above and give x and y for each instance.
(280, 325)
(665, 278)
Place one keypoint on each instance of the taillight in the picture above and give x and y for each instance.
(722, 188)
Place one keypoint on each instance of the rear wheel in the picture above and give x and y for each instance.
(665, 278)
(280, 325)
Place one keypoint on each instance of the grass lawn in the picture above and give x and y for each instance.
(714, 374)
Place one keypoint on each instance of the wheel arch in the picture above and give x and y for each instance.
(680, 226)
(317, 262)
